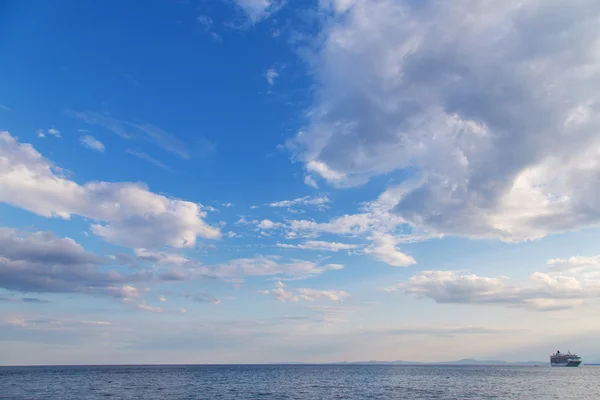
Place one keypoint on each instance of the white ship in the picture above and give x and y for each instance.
(559, 359)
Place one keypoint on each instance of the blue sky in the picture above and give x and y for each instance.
(269, 181)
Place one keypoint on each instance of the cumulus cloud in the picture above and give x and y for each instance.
(267, 224)
(92, 143)
(545, 292)
(384, 249)
(585, 267)
(489, 107)
(319, 245)
(125, 213)
(42, 263)
(294, 295)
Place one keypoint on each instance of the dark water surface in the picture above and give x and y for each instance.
(299, 382)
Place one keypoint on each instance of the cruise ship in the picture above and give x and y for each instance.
(559, 359)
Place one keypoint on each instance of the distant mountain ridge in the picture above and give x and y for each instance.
(465, 361)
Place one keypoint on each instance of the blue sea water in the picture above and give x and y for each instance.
(299, 382)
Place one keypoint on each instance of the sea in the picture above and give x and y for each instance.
(302, 382)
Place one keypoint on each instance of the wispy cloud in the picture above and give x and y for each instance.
(319, 245)
(257, 10)
(92, 143)
(302, 201)
(130, 130)
(52, 132)
(310, 181)
(271, 75)
(148, 158)
(23, 300)
(280, 293)
(206, 23)
(3, 107)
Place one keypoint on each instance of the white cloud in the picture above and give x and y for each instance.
(232, 235)
(146, 307)
(312, 294)
(242, 221)
(54, 132)
(384, 249)
(350, 224)
(92, 143)
(268, 224)
(302, 201)
(51, 132)
(124, 291)
(295, 295)
(162, 299)
(227, 205)
(5, 108)
(319, 245)
(490, 106)
(586, 267)
(271, 75)
(310, 181)
(545, 292)
(268, 266)
(257, 10)
(575, 262)
(125, 213)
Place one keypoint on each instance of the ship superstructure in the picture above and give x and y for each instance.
(559, 359)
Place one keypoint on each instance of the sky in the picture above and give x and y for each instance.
(264, 181)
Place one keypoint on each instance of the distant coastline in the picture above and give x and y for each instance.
(463, 362)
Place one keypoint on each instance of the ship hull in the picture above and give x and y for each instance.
(567, 364)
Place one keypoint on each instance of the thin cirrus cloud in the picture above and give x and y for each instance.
(464, 105)
(150, 159)
(131, 130)
(124, 213)
(92, 143)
